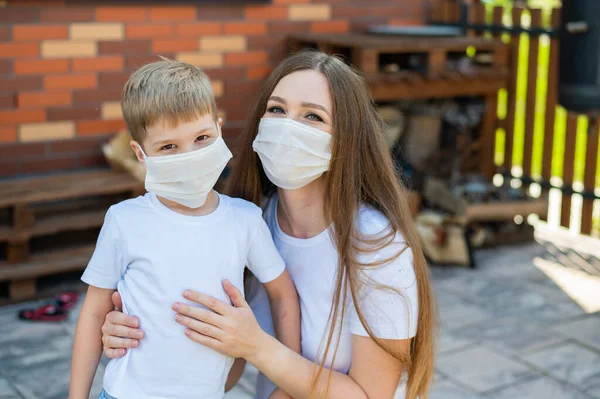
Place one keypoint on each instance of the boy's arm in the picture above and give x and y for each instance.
(285, 310)
(235, 373)
(87, 348)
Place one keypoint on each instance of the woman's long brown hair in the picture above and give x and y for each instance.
(361, 173)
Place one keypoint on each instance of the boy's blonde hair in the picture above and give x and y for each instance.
(167, 90)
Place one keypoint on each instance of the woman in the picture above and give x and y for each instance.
(314, 155)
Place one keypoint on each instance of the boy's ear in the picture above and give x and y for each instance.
(138, 150)
(220, 123)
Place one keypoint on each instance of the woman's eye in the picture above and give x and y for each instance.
(167, 147)
(314, 117)
(201, 138)
(276, 110)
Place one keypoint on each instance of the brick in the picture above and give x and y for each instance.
(29, 3)
(9, 168)
(330, 27)
(309, 12)
(81, 81)
(39, 32)
(67, 48)
(67, 14)
(36, 67)
(243, 89)
(49, 165)
(350, 11)
(96, 31)
(237, 108)
(266, 12)
(223, 43)
(248, 58)
(8, 134)
(7, 100)
(136, 61)
(20, 83)
(44, 99)
(259, 72)
(201, 59)
(113, 79)
(290, 1)
(6, 67)
(5, 33)
(174, 45)
(107, 63)
(112, 110)
(218, 88)
(120, 14)
(91, 160)
(173, 13)
(46, 131)
(83, 144)
(198, 29)
(19, 15)
(17, 151)
(406, 22)
(220, 13)
(148, 31)
(22, 116)
(14, 50)
(234, 73)
(76, 114)
(246, 28)
(96, 127)
(126, 47)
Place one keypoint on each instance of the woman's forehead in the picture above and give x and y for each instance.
(304, 86)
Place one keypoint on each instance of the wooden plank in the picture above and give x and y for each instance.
(589, 180)
(568, 168)
(55, 224)
(383, 90)
(64, 186)
(532, 73)
(17, 251)
(366, 60)
(18, 290)
(477, 17)
(47, 264)
(436, 63)
(23, 217)
(504, 211)
(511, 105)
(551, 101)
(487, 136)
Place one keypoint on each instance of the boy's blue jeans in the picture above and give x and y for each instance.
(104, 395)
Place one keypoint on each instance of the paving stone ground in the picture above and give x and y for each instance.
(508, 330)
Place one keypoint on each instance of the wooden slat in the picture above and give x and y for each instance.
(477, 11)
(47, 264)
(532, 73)
(551, 101)
(497, 18)
(488, 136)
(64, 186)
(568, 168)
(589, 180)
(511, 105)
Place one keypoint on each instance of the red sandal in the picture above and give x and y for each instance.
(48, 312)
(67, 300)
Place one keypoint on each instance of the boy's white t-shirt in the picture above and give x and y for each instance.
(151, 254)
(312, 264)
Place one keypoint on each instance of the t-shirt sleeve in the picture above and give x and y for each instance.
(264, 260)
(107, 264)
(388, 296)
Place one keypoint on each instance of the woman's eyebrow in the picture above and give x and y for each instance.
(278, 99)
(317, 106)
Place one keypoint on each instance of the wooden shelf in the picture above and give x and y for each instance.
(53, 225)
(503, 211)
(48, 263)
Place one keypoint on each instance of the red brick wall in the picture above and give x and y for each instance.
(62, 67)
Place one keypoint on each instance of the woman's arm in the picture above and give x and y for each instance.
(234, 331)
(120, 331)
(87, 348)
(285, 310)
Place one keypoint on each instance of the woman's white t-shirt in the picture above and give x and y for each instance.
(312, 264)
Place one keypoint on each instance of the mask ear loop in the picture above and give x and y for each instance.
(142, 150)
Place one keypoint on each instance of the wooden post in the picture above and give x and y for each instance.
(21, 289)
(589, 180)
(488, 136)
(568, 168)
(366, 60)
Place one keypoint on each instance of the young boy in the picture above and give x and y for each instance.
(180, 235)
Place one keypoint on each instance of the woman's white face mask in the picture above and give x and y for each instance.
(187, 178)
(292, 154)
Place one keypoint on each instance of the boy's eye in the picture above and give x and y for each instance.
(314, 117)
(201, 138)
(276, 110)
(167, 147)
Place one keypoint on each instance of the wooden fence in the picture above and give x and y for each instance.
(564, 155)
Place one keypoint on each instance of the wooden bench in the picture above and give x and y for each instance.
(35, 211)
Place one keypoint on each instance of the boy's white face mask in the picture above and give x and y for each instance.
(292, 154)
(187, 178)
